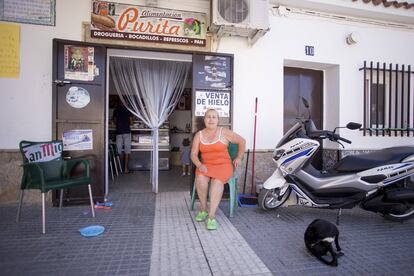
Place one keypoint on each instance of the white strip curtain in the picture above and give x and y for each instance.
(150, 89)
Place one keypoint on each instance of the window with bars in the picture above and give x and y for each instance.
(388, 100)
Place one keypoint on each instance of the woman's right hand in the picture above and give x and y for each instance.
(202, 168)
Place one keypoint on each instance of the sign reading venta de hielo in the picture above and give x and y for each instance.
(148, 24)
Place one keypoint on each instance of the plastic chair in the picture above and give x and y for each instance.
(114, 160)
(117, 160)
(233, 149)
(45, 170)
(112, 163)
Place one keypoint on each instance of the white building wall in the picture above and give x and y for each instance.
(25, 105)
(259, 72)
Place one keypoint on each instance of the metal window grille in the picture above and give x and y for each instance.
(388, 100)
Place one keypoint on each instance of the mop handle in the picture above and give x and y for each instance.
(254, 144)
(245, 171)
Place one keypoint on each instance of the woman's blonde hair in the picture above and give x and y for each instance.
(211, 110)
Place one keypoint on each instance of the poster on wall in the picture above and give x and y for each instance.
(79, 63)
(212, 72)
(9, 50)
(41, 12)
(218, 100)
(79, 139)
(147, 24)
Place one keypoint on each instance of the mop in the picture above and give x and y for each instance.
(250, 199)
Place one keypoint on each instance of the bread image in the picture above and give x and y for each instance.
(103, 22)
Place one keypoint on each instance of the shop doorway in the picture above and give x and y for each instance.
(306, 83)
(171, 133)
(209, 85)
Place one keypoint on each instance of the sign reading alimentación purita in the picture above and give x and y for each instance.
(131, 22)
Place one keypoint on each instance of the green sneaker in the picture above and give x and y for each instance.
(211, 224)
(201, 216)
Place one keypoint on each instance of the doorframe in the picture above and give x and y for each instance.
(330, 94)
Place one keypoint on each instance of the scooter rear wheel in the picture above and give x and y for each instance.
(398, 216)
(270, 199)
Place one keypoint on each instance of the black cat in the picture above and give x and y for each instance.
(319, 237)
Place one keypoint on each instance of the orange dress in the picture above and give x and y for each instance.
(215, 156)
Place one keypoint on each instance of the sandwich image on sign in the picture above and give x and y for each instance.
(101, 15)
(103, 22)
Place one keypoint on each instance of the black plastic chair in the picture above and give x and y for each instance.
(45, 170)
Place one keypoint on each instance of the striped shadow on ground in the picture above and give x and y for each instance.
(182, 246)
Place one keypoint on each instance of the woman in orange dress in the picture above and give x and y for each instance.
(215, 165)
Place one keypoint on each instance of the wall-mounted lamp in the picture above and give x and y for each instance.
(352, 38)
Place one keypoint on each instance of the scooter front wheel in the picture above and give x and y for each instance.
(271, 198)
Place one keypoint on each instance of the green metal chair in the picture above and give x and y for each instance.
(233, 149)
(114, 161)
(117, 160)
(45, 170)
(111, 159)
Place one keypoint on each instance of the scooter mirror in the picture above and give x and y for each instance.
(353, 126)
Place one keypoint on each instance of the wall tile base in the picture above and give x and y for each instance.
(10, 177)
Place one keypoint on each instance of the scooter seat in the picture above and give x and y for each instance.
(366, 161)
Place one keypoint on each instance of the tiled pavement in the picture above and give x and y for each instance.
(372, 245)
(123, 249)
(156, 235)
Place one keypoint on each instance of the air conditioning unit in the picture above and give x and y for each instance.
(249, 18)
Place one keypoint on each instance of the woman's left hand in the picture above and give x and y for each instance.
(237, 162)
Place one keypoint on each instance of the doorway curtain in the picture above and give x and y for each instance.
(150, 89)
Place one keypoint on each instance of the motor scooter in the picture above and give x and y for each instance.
(375, 181)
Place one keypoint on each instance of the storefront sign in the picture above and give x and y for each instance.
(130, 22)
(219, 101)
(78, 139)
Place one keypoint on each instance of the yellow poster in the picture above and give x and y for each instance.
(9, 50)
